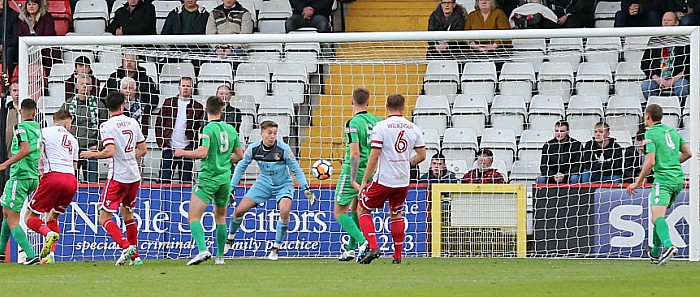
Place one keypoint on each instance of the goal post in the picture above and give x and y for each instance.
(317, 104)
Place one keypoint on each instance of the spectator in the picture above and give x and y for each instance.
(685, 11)
(82, 67)
(561, 157)
(176, 127)
(88, 114)
(574, 13)
(229, 18)
(484, 173)
(13, 117)
(665, 65)
(602, 157)
(231, 114)
(639, 13)
(532, 14)
(448, 16)
(136, 17)
(9, 37)
(310, 13)
(39, 22)
(487, 16)
(634, 158)
(133, 106)
(438, 172)
(147, 93)
(188, 19)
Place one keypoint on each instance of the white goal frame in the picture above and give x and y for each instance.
(693, 32)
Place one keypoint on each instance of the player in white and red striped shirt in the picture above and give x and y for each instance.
(392, 142)
(57, 186)
(123, 143)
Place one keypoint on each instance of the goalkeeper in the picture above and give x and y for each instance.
(275, 159)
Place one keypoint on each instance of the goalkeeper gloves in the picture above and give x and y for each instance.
(310, 195)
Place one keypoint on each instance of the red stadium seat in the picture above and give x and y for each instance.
(36, 89)
(15, 7)
(63, 17)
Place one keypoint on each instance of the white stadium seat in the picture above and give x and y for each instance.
(582, 135)
(291, 79)
(584, 112)
(479, 78)
(249, 113)
(252, 79)
(672, 109)
(90, 16)
(556, 78)
(603, 50)
(303, 53)
(517, 78)
(432, 112)
(441, 78)
(509, 111)
(569, 50)
(530, 50)
(470, 111)
(460, 144)
(545, 111)
(501, 142)
(273, 15)
(594, 79)
(432, 146)
(279, 109)
(531, 142)
(628, 80)
(622, 137)
(268, 53)
(623, 113)
(213, 75)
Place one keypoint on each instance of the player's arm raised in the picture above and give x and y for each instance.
(23, 152)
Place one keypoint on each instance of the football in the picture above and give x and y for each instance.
(322, 169)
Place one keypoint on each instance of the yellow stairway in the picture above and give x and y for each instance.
(394, 15)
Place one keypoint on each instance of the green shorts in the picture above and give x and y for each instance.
(344, 192)
(663, 194)
(208, 192)
(16, 191)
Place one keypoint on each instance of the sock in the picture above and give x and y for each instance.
(21, 238)
(4, 236)
(198, 235)
(132, 234)
(281, 231)
(661, 229)
(38, 226)
(397, 234)
(234, 224)
(367, 227)
(355, 219)
(53, 225)
(349, 226)
(111, 227)
(221, 233)
(656, 249)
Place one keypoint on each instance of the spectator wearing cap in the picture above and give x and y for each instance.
(82, 67)
(438, 172)
(484, 173)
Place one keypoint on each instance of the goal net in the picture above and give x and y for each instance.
(465, 97)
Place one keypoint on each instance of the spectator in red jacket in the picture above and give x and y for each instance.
(484, 173)
(39, 22)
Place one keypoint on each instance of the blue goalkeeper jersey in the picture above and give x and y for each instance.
(275, 165)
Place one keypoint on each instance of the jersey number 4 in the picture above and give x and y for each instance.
(68, 144)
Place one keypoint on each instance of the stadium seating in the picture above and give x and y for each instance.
(213, 75)
(170, 76)
(102, 71)
(60, 72)
(530, 50)
(110, 54)
(273, 15)
(633, 49)
(441, 78)
(307, 53)
(291, 79)
(671, 107)
(116, 5)
(509, 111)
(431, 138)
(62, 15)
(279, 109)
(517, 78)
(594, 79)
(249, 113)
(525, 172)
(268, 53)
(470, 111)
(432, 112)
(502, 143)
(500, 165)
(605, 14)
(622, 137)
(531, 142)
(69, 56)
(460, 144)
(685, 116)
(603, 50)
(565, 50)
(163, 8)
(479, 78)
(458, 167)
(252, 79)
(581, 135)
(545, 111)
(623, 113)
(209, 5)
(90, 16)
(628, 80)
(151, 69)
(556, 78)
(584, 112)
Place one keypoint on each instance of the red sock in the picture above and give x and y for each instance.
(132, 234)
(38, 226)
(111, 227)
(367, 227)
(53, 225)
(397, 234)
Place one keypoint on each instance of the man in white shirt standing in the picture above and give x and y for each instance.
(392, 142)
(57, 186)
(123, 144)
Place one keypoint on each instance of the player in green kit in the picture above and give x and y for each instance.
(24, 178)
(219, 148)
(665, 151)
(358, 138)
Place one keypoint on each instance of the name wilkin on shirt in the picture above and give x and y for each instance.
(400, 126)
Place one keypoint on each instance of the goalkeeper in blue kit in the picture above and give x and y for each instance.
(276, 160)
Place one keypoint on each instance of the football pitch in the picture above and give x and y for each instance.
(328, 277)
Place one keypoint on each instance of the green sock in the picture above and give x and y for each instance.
(656, 250)
(21, 238)
(349, 226)
(4, 236)
(661, 229)
(198, 235)
(221, 233)
(352, 243)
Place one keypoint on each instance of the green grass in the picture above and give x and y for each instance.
(328, 277)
